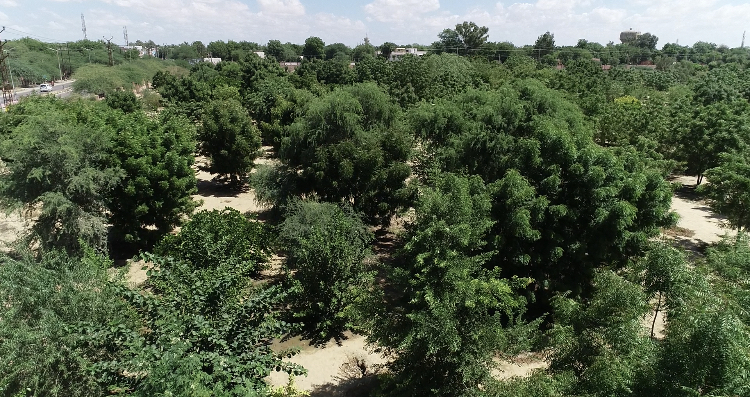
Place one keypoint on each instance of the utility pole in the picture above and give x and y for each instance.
(743, 40)
(109, 51)
(7, 93)
(127, 44)
(83, 27)
(70, 64)
(57, 51)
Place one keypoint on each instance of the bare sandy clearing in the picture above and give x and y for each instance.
(216, 196)
(521, 366)
(696, 216)
(11, 227)
(324, 365)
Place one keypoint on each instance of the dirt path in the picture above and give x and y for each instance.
(326, 366)
(216, 196)
(11, 227)
(706, 226)
(697, 227)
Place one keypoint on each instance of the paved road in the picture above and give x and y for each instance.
(61, 89)
(57, 89)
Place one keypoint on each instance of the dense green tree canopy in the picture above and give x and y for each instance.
(154, 194)
(452, 313)
(229, 140)
(326, 247)
(562, 205)
(348, 146)
(314, 48)
(57, 157)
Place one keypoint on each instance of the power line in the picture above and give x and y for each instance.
(26, 34)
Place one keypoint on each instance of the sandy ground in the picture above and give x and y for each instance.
(695, 215)
(11, 226)
(215, 196)
(699, 227)
(326, 366)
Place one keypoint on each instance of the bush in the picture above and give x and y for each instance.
(49, 306)
(326, 247)
(213, 237)
(123, 100)
(151, 100)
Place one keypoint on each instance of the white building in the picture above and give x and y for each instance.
(400, 52)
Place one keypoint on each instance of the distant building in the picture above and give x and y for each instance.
(400, 52)
(141, 51)
(629, 36)
(289, 66)
(212, 60)
(261, 54)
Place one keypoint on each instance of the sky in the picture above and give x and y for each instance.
(350, 21)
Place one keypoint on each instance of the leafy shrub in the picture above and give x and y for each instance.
(123, 100)
(218, 236)
(209, 330)
(151, 100)
(326, 247)
(48, 307)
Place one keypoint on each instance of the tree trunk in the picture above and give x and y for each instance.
(656, 314)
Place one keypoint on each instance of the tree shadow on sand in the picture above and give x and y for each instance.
(356, 378)
(221, 188)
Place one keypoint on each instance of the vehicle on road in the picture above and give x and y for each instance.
(45, 88)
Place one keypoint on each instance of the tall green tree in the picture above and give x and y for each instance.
(338, 51)
(544, 45)
(326, 247)
(57, 160)
(275, 49)
(449, 314)
(314, 48)
(386, 49)
(472, 36)
(717, 128)
(363, 51)
(155, 194)
(229, 140)
(647, 40)
(348, 146)
(562, 205)
(450, 42)
(601, 341)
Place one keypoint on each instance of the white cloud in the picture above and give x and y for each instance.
(288, 7)
(8, 3)
(398, 10)
(333, 28)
